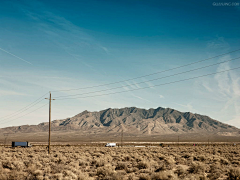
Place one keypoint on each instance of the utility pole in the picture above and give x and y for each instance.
(49, 133)
(6, 136)
(122, 138)
(178, 141)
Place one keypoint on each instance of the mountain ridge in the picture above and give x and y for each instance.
(131, 120)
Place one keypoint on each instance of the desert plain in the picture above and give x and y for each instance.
(85, 162)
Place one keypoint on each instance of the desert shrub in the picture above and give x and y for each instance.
(161, 167)
(148, 171)
(195, 177)
(215, 171)
(162, 157)
(108, 158)
(58, 176)
(197, 168)
(224, 161)
(170, 160)
(39, 177)
(164, 175)
(98, 162)
(105, 171)
(234, 173)
(7, 164)
(131, 177)
(115, 176)
(180, 171)
(180, 160)
(69, 174)
(38, 172)
(57, 168)
(3, 176)
(144, 177)
(236, 162)
(138, 158)
(83, 162)
(15, 175)
(120, 163)
(127, 158)
(143, 164)
(200, 158)
(187, 155)
(121, 166)
(83, 176)
(133, 169)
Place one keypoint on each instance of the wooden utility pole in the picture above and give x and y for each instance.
(49, 133)
(178, 141)
(122, 138)
(6, 136)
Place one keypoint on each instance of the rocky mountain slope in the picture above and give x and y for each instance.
(132, 120)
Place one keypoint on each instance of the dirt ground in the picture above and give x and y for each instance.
(116, 163)
(76, 137)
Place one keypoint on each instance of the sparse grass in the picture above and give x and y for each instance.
(127, 163)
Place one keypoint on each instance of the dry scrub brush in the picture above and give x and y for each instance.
(126, 163)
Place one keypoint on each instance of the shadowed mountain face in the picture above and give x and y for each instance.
(132, 120)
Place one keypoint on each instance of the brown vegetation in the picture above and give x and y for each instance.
(145, 163)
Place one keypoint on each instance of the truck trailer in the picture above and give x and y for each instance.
(111, 145)
(21, 144)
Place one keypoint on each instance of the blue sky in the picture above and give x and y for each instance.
(77, 44)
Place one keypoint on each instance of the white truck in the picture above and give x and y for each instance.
(111, 145)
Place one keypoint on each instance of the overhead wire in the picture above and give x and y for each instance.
(151, 86)
(25, 108)
(148, 74)
(40, 100)
(150, 80)
(24, 114)
(21, 111)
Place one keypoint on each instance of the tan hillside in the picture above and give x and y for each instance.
(132, 120)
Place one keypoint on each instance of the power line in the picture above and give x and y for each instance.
(150, 74)
(22, 111)
(26, 107)
(153, 85)
(149, 80)
(39, 99)
(25, 114)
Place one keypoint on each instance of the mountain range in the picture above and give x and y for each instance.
(132, 121)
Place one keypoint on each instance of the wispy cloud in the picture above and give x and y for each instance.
(217, 43)
(206, 85)
(235, 121)
(71, 38)
(188, 106)
(137, 85)
(16, 56)
(10, 92)
(149, 84)
(161, 96)
(125, 87)
(130, 85)
(228, 83)
(139, 97)
(226, 87)
(105, 49)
